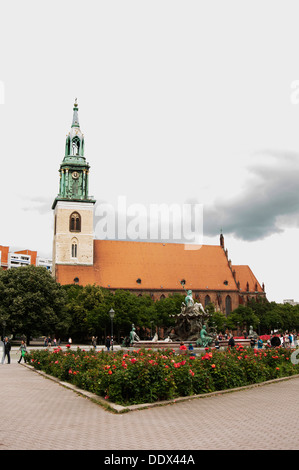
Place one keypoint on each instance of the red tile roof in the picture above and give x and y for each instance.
(244, 275)
(118, 264)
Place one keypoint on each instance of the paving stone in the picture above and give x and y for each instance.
(41, 414)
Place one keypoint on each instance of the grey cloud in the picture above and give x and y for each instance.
(40, 205)
(268, 204)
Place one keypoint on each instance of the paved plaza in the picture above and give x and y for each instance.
(40, 414)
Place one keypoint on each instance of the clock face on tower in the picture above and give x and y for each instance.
(75, 175)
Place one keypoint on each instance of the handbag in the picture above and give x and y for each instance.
(23, 352)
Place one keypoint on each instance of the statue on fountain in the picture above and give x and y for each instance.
(190, 321)
(133, 336)
(204, 339)
(189, 306)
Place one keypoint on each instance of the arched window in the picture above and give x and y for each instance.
(162, 296)
(228, 305)
(74, 248)
(75, 222)
(207, 300)
(76, 146)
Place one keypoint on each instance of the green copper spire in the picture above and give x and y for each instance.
(75, 115)
(74, 145)
(74, 169)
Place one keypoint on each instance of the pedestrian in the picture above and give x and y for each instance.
(23, 351)
(7, 348)
(252, 342)
(231, 342)
(94, 342)
(108, 343)
(260, 343)
(183, 347)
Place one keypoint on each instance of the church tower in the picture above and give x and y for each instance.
(73, 208)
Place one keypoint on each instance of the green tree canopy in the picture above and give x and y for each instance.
(31, 301)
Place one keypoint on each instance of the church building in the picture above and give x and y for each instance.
(156, 269)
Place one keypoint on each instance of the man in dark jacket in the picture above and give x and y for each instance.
(108, 343)
(7, 348)
(231, 342)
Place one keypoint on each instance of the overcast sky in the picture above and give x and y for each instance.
(179, 101)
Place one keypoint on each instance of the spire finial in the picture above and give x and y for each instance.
(75, 116)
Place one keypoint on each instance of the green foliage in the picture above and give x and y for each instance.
(89, 309)
(273, 315)
(32, 303)
(146, 376)
(243, 315)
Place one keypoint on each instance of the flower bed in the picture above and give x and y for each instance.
(147, 376)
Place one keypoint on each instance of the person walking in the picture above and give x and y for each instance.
(7, 348)
(23, 351)
(108, 343)
(231, 341)
(94, 342)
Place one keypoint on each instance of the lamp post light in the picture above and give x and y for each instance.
(111, 313)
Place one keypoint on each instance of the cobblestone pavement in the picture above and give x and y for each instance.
(38, 413)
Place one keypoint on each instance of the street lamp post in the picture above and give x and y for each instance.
(111, 313)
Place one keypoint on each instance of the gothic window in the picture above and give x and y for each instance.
(76, 145)
(75, 222)
(74, 248)
(67, 146)
(207, 300)
(228, 305)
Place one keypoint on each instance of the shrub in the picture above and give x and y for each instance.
(147, 376)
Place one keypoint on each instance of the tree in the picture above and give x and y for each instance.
(88, 307)
(32, 302)
(167, 308)
(242, 316)
(217, 319)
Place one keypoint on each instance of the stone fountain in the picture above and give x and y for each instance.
(191, 323)
(190, 326)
